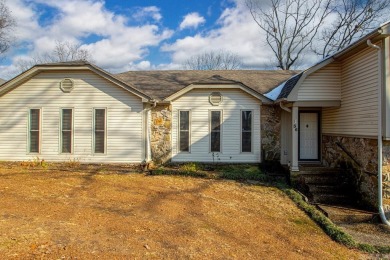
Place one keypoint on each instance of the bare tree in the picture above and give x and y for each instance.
(220, 60)
(354, 18)
(63, 51)
(290, 26)
(7, 24)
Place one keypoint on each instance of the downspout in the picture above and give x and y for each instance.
(283, 107)
(380, 191)
(148, 132)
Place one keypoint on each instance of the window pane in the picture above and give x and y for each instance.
(100, 126)
(66, 141)
(184, 141)
(34, 130)
(246, 142)
(99, 142)
(66, 132)
(100, 119)
(184, 120)
(246, 120)
(34, 119)
(34, 141)
(66, 119)
(184, 127)
(215, 120)
(215, 141)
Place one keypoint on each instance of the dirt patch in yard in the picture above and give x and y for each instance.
(93, 211)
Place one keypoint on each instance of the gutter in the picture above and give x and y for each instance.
(380, 188)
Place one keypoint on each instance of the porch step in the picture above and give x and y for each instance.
(324, 178)
(315, 170)
(347, 215)
(326, 186)
(332, 199)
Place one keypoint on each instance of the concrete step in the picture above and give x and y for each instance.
(319, 170)
(324, 179)
(324, 188)
(347, 214)
(325, 185)
(333, 199)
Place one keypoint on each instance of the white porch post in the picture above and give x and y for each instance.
(294, 148)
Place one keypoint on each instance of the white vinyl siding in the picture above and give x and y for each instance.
(234, 101)
(358, 114)
(323, 84)
(386, 86)
(124, 123)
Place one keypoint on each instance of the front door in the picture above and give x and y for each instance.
(309, 136)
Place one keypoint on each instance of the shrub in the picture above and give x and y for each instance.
(190, 167)
(72, 163)
(242, 172)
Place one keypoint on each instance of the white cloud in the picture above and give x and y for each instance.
(143, 13)
(192, 20)
(142, 65)
(236, 33)
(26, 18)
(118, 43)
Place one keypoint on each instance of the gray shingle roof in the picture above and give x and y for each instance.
(161, 84)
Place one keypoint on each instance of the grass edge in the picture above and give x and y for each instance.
(331, 229)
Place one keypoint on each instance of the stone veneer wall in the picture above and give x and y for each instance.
(270, 132)
(338, 151)
(386, 177)
(161, 127)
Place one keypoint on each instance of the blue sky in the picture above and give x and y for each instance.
(135, 34)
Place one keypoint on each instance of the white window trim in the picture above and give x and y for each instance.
(220, 131)
(72, 132)
(252, 124)
(189, 131)
(105, 131)
(28, 130)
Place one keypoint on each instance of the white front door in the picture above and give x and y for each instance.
(308, 136)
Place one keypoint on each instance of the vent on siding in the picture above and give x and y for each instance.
(215, 98)
(67, 85)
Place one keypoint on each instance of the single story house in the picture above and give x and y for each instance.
(77, 111)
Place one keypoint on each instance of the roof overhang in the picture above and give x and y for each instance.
(242, 87)
(23, 77)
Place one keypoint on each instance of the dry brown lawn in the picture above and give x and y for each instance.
(93, 212)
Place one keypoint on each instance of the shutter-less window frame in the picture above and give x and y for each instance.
(67, 130)
(100, 130)
(34, 125)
